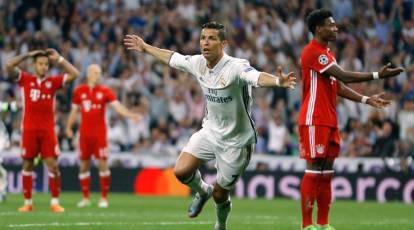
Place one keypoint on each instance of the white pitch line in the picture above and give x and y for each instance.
(61, 224)
(107, 223)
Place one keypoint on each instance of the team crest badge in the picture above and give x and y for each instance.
(32, 84)
(83, 96)
(323, 59)
(48, 84)
(320, 148)
(222, 82)
(99, 96)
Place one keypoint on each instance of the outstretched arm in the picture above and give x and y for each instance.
(351, 77)
(134, 42)
(281, 79)
(11, 66)
(72, 72)
(71, 120)
(123, 111)
(374, 100)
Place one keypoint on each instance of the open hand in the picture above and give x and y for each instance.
(377, 102)
(286, 80)
(134, 42)
(386, 71)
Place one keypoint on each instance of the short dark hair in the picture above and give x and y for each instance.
(217, 26)
(317, 18)
(40, 54)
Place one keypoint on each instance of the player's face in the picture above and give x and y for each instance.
(329, 30)
(94, 73)
(210, 44)
(41, 66)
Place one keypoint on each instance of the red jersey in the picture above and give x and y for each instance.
(319, 90)
(92, 102)
(39, 100)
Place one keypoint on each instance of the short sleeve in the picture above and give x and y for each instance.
(58, 80)
(320, 60)
(23, 78)
(76, 99)
(110, 95)
(247, 73)
(185, 63)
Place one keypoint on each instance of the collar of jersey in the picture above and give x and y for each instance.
(316, 43)
(220, 63)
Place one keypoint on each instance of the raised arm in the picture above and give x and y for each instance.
(351, 77)
(281, 79)
(374, 100)
(134, 42)
(72, 72)
(71, 120)
(125, 112)
(11, 66)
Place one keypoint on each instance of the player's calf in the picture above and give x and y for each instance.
(222, 212)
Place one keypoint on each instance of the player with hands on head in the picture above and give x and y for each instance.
(228, 134)
(38, 125)
(323, 80)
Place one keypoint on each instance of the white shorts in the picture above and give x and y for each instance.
(230, 161)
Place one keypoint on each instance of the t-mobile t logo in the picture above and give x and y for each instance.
(34, 94)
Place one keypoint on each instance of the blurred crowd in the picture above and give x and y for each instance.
(267, 33)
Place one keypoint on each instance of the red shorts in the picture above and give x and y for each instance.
(96, 146)
(318, 142)
(43, 142)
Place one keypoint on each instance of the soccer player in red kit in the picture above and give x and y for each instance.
(323, 79)
(91, 99)
(38, 125)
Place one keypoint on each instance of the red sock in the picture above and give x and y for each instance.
(105, 181)
(85, 182)
(308, 192)
(27, 184)
(324, 197)
(54, 185)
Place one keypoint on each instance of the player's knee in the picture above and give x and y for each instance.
(220, 195)
(54, 170)
(181, 173)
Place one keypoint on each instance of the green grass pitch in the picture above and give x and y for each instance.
(127, 211)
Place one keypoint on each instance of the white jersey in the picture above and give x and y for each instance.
(227, 90)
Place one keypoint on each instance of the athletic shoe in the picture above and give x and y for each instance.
(310, 227)
(103, 203)
(84, 203)
(56, 208)
(198, 202)
(25, 208)
(326, 227)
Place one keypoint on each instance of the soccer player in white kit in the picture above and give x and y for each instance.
(228, 133)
